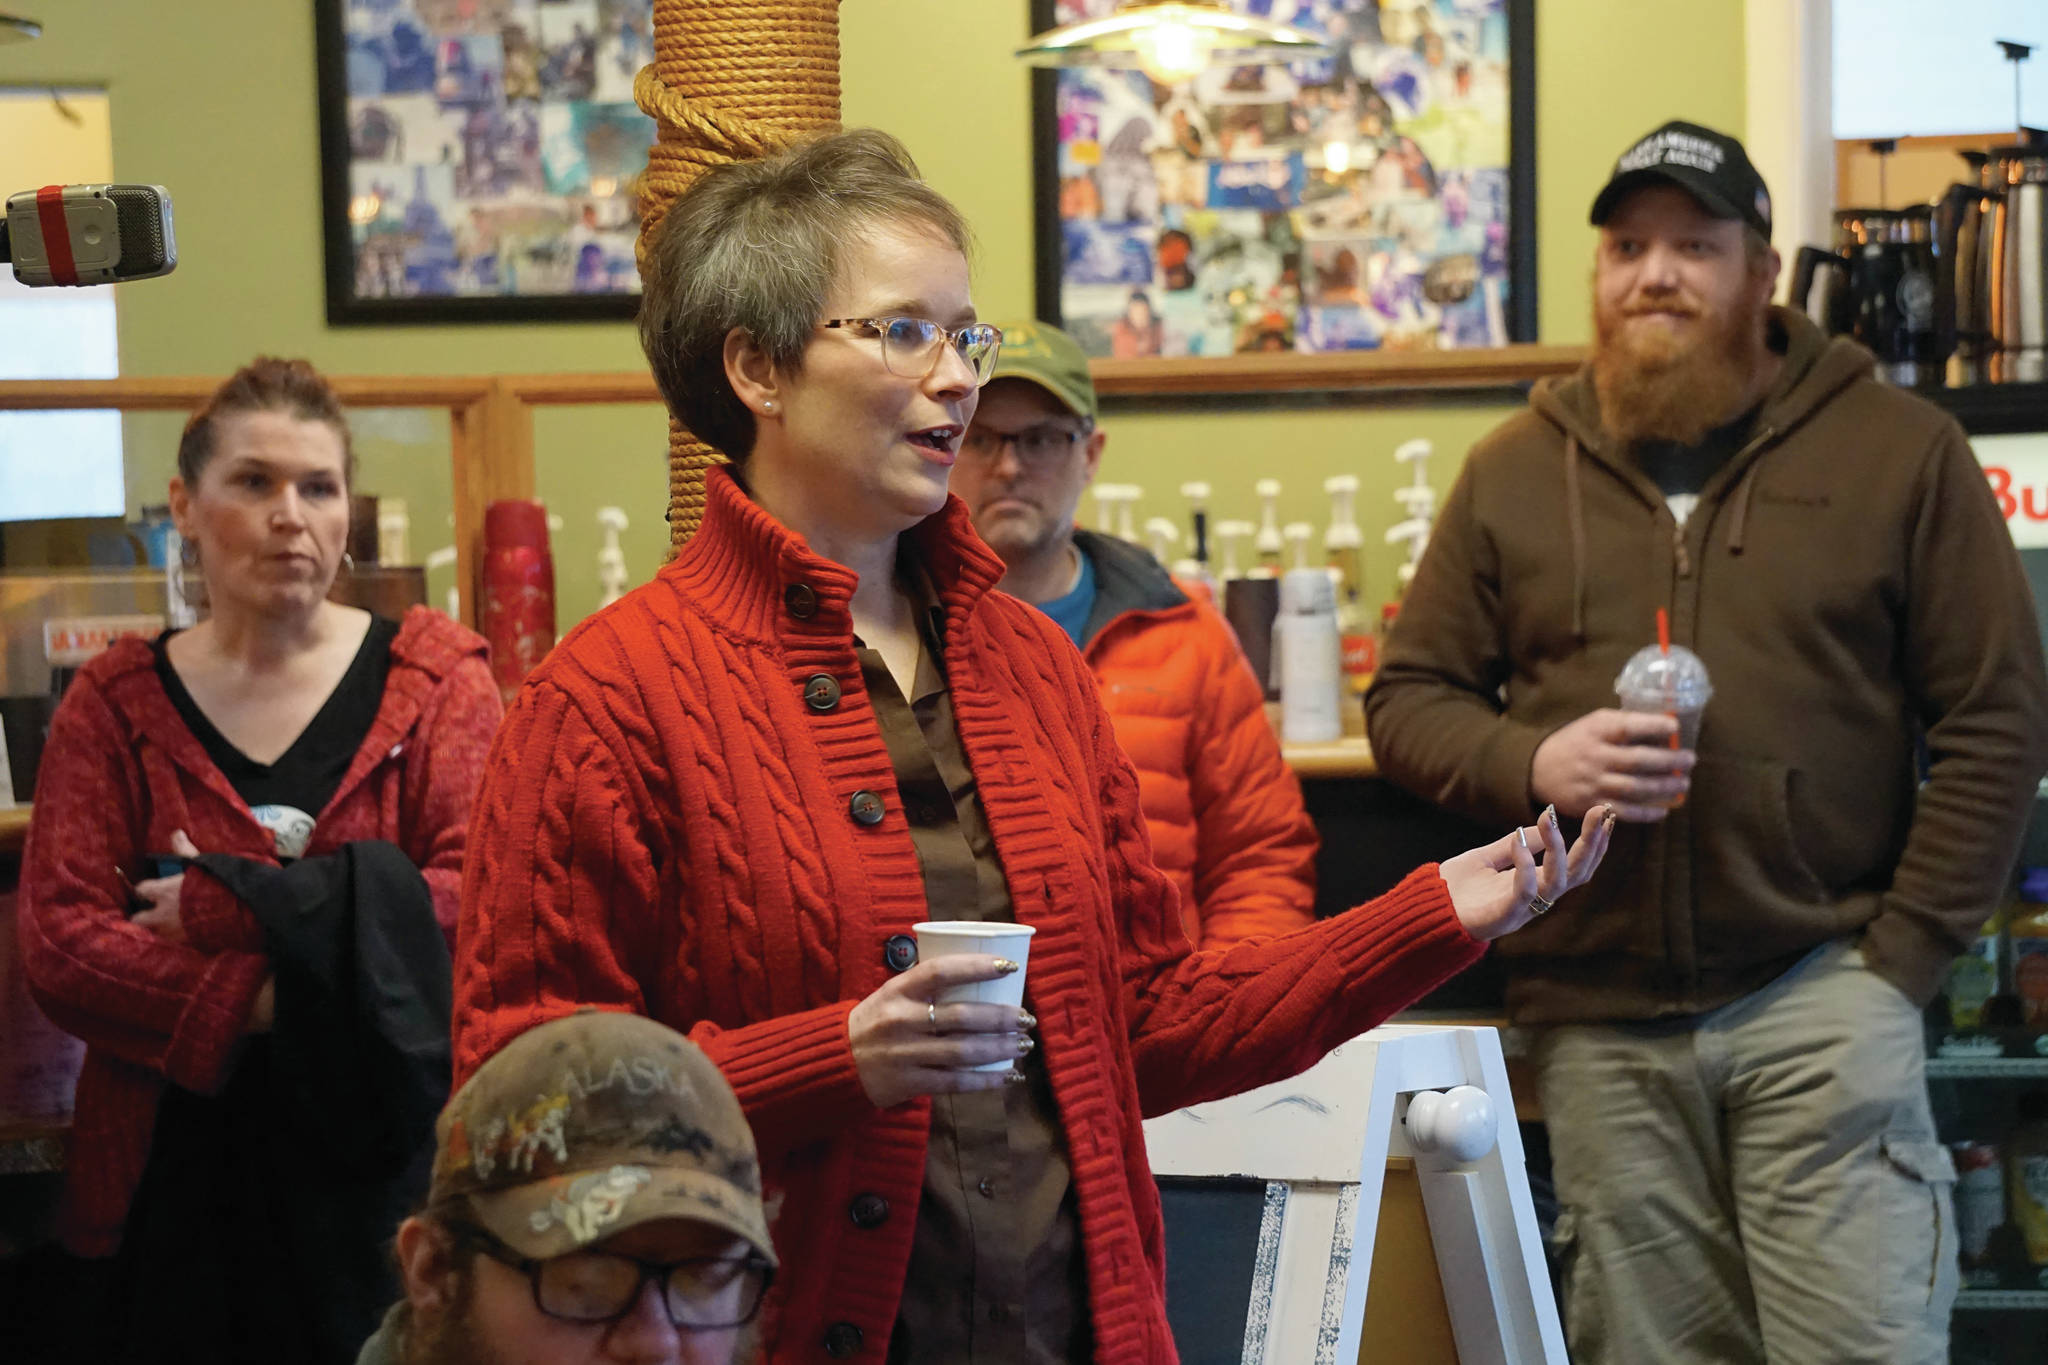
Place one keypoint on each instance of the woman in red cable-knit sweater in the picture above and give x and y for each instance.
(725, 801)
(325, 757)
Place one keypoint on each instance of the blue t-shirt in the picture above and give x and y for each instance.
(1070, 611)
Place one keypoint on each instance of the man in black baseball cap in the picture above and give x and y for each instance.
(1712, 167)
(1682, 283)
(1725, 1031)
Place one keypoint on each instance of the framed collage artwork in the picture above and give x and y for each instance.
(478, 157)
(1381, 198)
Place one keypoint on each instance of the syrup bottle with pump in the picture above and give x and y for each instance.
(1194, 570)
(1268, 543)
(1343, 546)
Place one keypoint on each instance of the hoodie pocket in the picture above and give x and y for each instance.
(1748, 869)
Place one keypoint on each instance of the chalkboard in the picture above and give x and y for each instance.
(1212, 1248)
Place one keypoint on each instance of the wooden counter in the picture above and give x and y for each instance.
(1350, 756)
(13, 828)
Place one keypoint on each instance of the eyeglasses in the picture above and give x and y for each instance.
(701, 1293)
(1036, 446)
(910, 346)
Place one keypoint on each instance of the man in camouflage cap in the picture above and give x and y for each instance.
(595, 1197)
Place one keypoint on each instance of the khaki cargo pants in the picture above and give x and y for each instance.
(1761, 1184)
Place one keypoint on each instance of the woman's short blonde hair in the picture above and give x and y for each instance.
(755, 245)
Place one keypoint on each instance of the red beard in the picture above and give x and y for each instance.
(1653, 385)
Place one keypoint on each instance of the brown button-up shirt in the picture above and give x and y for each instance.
(996, 1273)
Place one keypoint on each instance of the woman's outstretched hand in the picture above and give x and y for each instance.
(906, 1045)
(1499, 887)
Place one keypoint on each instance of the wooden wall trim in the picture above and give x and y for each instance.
(175, 392)
(1348, 371)
(1255, 373)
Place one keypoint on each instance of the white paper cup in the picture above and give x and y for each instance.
(950, 938)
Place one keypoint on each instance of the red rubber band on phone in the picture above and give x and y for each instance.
(56, 234)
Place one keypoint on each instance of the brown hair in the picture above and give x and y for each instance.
(755, 245)
(265, 384)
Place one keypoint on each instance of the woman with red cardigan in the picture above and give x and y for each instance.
(725, 801)
(287, 766)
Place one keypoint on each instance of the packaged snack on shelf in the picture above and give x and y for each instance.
(2026, 1180)
(1980, 1205)
(2027, 932)
(1973, 977)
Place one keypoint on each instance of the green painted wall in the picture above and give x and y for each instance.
(215, 98)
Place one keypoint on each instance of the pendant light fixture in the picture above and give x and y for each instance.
(1172, 40)
(13, 30)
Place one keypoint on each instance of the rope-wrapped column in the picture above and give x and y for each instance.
(731, 80)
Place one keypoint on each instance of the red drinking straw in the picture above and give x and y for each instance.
(1664, 644)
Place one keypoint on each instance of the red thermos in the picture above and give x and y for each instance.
(518, 607)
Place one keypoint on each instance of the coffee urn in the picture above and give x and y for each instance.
(2019, 303)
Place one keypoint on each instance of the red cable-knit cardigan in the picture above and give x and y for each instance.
(121, 771)
(664, 827)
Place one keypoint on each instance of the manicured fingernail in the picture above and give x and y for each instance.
(1550, 813)
(1006, 967)
(1025, 1044)
(1015, 1077)
(1613, 817)
(1026, 1019)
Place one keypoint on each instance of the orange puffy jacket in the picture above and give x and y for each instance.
(1223, 808)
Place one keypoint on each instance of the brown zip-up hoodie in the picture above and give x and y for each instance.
(1848, 581)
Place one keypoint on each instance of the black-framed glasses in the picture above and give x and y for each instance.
(699, 1293)
(1036, 445)
(910, 346)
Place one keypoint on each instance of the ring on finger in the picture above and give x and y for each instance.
(931, 1009)
(1538, 906)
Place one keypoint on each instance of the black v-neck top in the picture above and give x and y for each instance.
(287, 796)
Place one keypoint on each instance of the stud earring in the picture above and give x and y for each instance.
(768, 405)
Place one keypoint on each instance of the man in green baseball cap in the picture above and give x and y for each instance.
(1224, 811)
(1032, 451)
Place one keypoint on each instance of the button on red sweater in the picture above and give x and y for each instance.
(120, 772)
(665, 826)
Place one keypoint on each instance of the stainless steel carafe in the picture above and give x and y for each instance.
(1962, 272)
(2019, 295)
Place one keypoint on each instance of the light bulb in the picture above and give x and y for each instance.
(1170, 51)
(1337, 156)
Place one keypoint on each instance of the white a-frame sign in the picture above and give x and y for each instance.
(1321, 1141)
